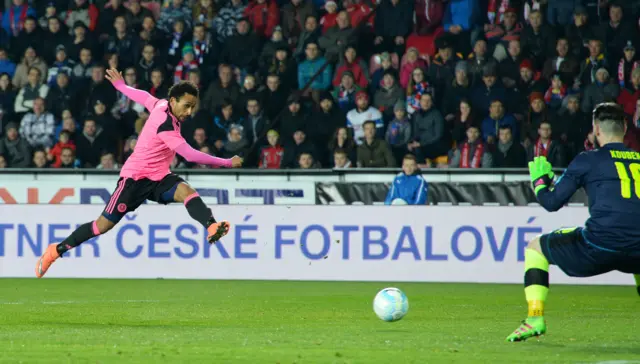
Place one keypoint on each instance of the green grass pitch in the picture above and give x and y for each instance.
(174, 321)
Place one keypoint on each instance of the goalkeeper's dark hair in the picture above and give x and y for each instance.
(610, 117)
(183, 88)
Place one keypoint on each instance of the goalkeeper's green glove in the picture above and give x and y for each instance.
(540, 173)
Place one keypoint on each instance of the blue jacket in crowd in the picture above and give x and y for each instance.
(412, 189)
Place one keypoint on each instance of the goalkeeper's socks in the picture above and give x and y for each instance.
(198, 210)
(536, 281)
(83, 233)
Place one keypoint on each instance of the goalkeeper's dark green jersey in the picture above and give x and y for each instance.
(611, 178)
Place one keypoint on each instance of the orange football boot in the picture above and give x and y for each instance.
(217, 230)
(50, 255)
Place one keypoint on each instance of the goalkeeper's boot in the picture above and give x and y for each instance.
(217, 230)
(50, 255)
(532, 326)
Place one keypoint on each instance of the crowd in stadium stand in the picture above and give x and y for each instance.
(319, 83)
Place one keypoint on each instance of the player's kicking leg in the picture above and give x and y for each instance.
(536, 287)
(200, 212)
(80, 235)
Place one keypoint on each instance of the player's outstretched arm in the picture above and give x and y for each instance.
(139, 96)
(553, 198)
(195, 156)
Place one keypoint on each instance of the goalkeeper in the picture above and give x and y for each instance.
(610, 239)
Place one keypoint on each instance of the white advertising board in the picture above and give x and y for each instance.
(351, 243)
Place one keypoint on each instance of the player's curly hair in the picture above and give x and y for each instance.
(611, 118)
(183, 88)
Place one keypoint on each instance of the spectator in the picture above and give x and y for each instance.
(32, 90)
(579, 33)
(537, 114)
(599, 91)
(91, 144)
(50, 12)
(311, 33)
(374, 152)
(185, 65)
(153, 35)
(627, 64)
(487, 92)
(343, 140)
(629, 95)
(122, 42)
(264, 16)
(595, 61)
(62, 97)
(511, 65)
(82, 11)
(538, 39)
(15, 149)
(68, 124)
(388, 95)
(157, 88)
(248, 91)
(417, 87)
(7, 99)
(225, 22)
(408, 187)
(136, 13)
(81, 40)
(330, 19)
(274, 96)
(147, 63)
(457, 91)
(38, 126)
(351, 62)
(108, 15)
(292, 120)
(271, 155)
(323, 123)
(508, 154)
(284, 67)
(442, 68)
(206, 50)
(13, 20)
(178, 38)
(430, 143)
(6, 65)
(500, 34)
(559, 12)
(299, 146)
(39, 159)
(256, 124)
(294, 15)
(462, 120)
(614, 33)
(341, 159)
(556, 93)
(242, 49)
(410, 64)
(224, 87)
(459, 19)
(68, 158)
(81, 73)
(125, 110)
(476, 62)
(54, 154)
(563, 63)
(345, 93)
(572, 126)
(545, 146)
(398, 133)
(177, 10)
(99, 89)
(312, 65)
(392, 25)
(306, 161)
(378, 75)
(361, 114)
(108, 161)
(473, 153)
(62, 64)
(30, 60)
(336, 38)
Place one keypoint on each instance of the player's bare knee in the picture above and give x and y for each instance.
(183, 192)
(102, 225)
(534, 244)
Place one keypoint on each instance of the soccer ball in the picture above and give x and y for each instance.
(390, 304)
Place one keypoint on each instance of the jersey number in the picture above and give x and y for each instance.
(625, 182)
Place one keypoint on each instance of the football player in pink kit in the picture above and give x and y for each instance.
(146, 175)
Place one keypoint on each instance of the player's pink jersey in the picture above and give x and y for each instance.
(159, 139)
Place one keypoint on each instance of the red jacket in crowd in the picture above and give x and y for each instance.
(264, 16)
(271, 157)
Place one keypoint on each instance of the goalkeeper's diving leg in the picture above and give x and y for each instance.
(536, 287)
